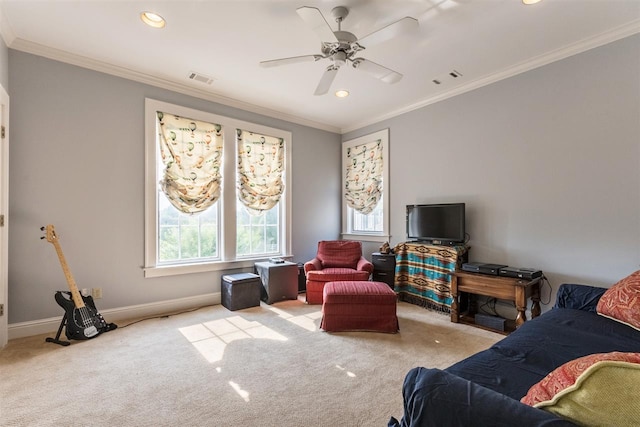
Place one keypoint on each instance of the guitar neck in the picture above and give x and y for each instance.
(75, 294)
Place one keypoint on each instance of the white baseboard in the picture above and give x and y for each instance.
(43, 326)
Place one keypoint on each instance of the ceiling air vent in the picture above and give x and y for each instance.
(200, 78)
(447, 77)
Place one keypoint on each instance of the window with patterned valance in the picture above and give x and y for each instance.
(196, 214)
(191, 151)
(260, 170)
(365, 178)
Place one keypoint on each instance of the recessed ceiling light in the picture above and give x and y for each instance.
(152, 19)
(342, 93)
(530, 1)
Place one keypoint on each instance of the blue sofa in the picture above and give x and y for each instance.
(485, 389)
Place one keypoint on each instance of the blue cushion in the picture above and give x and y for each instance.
(578, 297)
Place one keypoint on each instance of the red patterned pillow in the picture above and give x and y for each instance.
(566, 375)
(621, 302)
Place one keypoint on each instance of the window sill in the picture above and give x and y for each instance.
(177, 269)
(366, 237)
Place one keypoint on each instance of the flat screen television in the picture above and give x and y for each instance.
(439, 224)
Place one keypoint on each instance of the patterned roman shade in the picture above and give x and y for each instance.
(363, 176)
(191, 152)
(260, 169)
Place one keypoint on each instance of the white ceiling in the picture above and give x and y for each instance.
(484, 40)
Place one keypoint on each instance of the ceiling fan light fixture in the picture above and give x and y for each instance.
(152, 19)
(339, 59)
(342, 93)
(529, 2)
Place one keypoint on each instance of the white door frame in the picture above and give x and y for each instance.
(4, 218)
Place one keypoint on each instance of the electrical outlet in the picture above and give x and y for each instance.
(96, 293)
(84, 292)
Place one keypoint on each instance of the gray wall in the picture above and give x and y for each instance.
(4, 65)
(547, 162)
(77, 162)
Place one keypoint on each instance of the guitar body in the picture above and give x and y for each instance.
(82, 323)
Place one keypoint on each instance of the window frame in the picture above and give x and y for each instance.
(228, 198)
(347, 212)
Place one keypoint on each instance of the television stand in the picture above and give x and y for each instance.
(504, 288)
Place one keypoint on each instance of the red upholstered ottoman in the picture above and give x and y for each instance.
(359, 306)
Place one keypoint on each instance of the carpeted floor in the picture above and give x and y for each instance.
(263, 366)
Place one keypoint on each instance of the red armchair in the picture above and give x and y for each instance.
(336, 260)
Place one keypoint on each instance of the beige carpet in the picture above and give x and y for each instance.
(263, 366)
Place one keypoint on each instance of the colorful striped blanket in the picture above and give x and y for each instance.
(422, 273)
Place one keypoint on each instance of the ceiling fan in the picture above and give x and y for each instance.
(341, 47)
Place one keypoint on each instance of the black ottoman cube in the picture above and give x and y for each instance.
(241, 290)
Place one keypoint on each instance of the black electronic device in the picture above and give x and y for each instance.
(492, 269)
(492, 322)
(482, 268)
(472, 267)
(439, 224)
(521, 273)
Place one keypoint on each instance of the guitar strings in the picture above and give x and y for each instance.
(86, 317)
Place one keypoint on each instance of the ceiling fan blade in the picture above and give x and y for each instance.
(314, 19)
(402, 26)
(376, 70)
(291, 60)
(326, 80)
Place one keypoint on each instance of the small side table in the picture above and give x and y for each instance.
(505, 288)
(279, 280)
(384, 268)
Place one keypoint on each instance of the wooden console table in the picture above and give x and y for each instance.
(504, 288)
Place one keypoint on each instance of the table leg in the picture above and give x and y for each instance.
(521, 306)
(455, 315)
(535, 301)
(521, 317)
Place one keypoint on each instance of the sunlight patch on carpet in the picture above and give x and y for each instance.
(212, 349)
(349, 373)
(305, 321)
(242, 393)
(211, 338)
(195, 333)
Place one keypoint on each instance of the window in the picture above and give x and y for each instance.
(183, 237)
(215, 200)
(257, 234)
(371, 223)
(365, 178)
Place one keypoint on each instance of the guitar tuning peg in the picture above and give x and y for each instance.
(41, 228)
(41, 238)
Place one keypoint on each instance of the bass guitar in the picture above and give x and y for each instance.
(83, 319)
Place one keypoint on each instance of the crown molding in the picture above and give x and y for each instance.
(5, 29)
(13, 42)
(115, 70)
(575, 48)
